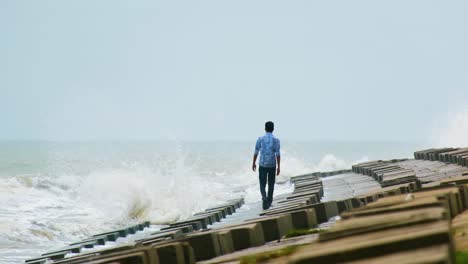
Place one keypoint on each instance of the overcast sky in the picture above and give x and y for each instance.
(217, 70)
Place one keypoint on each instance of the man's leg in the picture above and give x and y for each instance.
(262, 177)
(271, 184)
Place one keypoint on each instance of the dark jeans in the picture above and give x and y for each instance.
(264, 175)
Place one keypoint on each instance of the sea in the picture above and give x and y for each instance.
(55, 193)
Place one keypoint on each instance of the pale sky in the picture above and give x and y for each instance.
(217, 70)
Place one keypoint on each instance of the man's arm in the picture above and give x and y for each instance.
(254, 165)
(257, 149)
(278, 160)
(278, 157)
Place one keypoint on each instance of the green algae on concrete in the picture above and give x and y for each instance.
(303, 232)
(461, 257)
(259, 258)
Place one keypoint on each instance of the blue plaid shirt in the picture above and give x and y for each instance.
(269, 146)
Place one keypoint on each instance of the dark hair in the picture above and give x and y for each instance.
(269, 126)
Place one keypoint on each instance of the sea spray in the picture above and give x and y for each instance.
(451, 129)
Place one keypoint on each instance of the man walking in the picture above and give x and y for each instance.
(269, 146)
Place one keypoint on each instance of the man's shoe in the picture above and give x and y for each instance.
(265, 205)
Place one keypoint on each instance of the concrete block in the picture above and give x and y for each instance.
(274, 227)
(308, 185)
(189, 255)
(457, 157)
(333, 173)
(236, 202)
(78, 259)
(445, 156)
(135, 257)
(160, 236)
(132, 229)
(224, 239)
(375, 244)
(440, 254)
(230, 209)
(205, 245)
(283, 206)
(354, 203)
(154, 241)
(184, 228)
(397, 177)
(102, 239)
(118, 249)
(397, 204)
(91, 242)
(314, 193)
(305, 177)
(422, 154)
(305, 199)
(119, 254)
(121, 232)
(342, 206)
(384, 169)
(460, 229)
(196, 225)
(368, 198)
(363, 200)
(169, 233)
(463, 160)
(455, 181)
(451, 194)
(434, 154)
(48, 256)
(318, 191)
(206, 219)
(245, 236)
(170, 253)
(203, 221)
(215, 216)
(212, 218)
(324, 210)
(139, 257)
(464, 195)
(304, 219)
(222, 211)
(367, 169)
(357, 168)
(36, 261)
(290, 203)
(226, 244)
(378, 222)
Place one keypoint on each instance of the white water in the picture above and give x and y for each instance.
(56, 193)
(451, 129)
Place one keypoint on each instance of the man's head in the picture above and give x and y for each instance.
(269, 126)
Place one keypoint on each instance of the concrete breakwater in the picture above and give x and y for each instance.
(384, 211)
